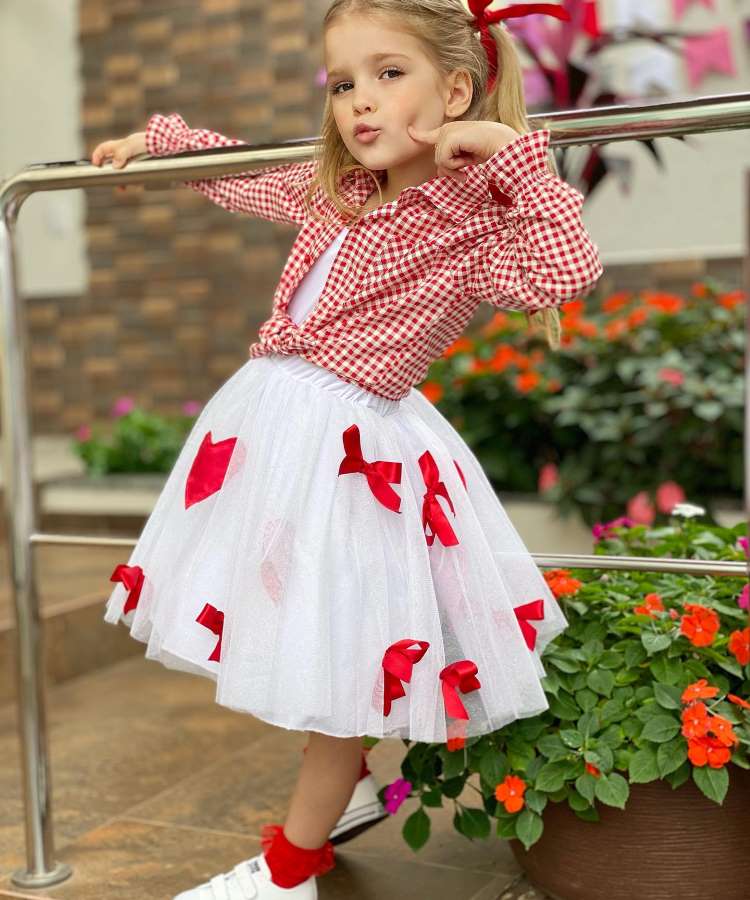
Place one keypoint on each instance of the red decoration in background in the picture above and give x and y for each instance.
(132, 577)
(459, 675)
(213, 619)
(532, 610)
(208, 470)
(378, 473)
(398, 661)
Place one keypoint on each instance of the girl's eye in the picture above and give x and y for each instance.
(335, 88)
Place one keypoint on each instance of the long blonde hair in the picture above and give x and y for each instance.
(446, 31)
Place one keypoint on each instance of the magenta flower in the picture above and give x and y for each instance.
(122, 406)
(604, 529)
(742, 542)
(548, 477)
(743, 598)
(668, 495)
(671, 376)
(83, 433)
(641, 509)
(396, 793)
(191, 407)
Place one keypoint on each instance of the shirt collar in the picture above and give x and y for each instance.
(451, 197)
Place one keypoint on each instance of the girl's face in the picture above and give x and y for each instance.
(381, 77)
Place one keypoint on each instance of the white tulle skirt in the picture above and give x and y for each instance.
(338, 562)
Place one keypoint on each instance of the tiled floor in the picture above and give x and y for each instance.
(155, 788)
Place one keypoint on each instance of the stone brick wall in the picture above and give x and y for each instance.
(178, 286)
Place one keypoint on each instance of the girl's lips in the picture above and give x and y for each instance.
(367, 137)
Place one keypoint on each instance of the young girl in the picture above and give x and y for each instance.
(327, 547)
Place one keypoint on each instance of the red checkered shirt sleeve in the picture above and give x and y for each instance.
(538, 254)
(273, 192)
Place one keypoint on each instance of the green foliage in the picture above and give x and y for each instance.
(616, 682)
(637, 379)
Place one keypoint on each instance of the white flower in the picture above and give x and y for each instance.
(687, 510)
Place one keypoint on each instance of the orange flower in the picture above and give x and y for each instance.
(666, 303)
(592, 770)
(699, 289)
(698, 690)
(504, 356)
(652, 604)
(739, 645)
(700, 625)
(456, 743)
(432, 390)
(573, 308)
(637, 316)
(616, 301)
(695, 722)
(709, 750)
(560, 582)
(510, 793)
(738, 700)
(495, 324)
(460, 345)
(731, 299)
(722, 728)
(615, 328)
(526, 381)
(587, 328)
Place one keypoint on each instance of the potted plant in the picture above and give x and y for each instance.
(636, 781)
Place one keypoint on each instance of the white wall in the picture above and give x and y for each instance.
(40, 122)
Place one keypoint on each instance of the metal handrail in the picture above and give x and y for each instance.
(601, 125)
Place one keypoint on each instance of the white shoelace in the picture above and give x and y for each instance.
(238, 884)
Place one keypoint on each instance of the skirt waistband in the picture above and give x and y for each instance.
(324, 378)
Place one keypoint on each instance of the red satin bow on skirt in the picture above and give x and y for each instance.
(378, 473)
(461, 675)
(532, 610)
(213, 619)
(432, 513)
(398, 661)
(132, 577)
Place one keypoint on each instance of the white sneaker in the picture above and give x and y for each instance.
(363, 811)
(249, 880)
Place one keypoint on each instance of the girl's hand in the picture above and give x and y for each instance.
(119, 151)
(459, 144)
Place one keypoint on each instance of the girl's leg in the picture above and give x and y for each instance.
(328, 775)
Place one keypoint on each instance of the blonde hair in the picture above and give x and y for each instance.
(446, 31)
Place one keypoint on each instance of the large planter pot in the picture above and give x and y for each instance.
(665, 845)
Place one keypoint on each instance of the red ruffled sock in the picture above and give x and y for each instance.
(289, 864)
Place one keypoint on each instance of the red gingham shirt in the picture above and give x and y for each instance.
(410, 274)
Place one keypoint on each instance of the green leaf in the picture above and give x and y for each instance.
(492, 767)
(577, 802)
(666, 669)
(612, 789)
(586, 699)
(529, 827)
(671, 755)
(635, 654)
(453, 787)
(535, 800)
(571, 737)
(433, 797)
(454, 762)
(643, 766)
(655, 642)
(506, 827)
(564, 707)
(564, 665)
(668, 695)
(585, 785)
(416, 830)
(552, 776)
(714, 783)
(552, 747)
(475, 823)
(660, 728)
(601, 681)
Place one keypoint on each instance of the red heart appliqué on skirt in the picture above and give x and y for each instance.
(209, 469)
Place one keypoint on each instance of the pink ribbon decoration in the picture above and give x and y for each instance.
(132, 577)
(432, 513)
(708, 52)
(213, 619)
(208, 470)
(459, 675)
(378, 473)
(460, 473)
(681, 5)
(532, 610)
(398, 661)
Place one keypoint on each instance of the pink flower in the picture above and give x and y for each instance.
(396, 793)
(83, 433)
(191, 407)
(743, 598)
(668, 495)
(547, 477)
(641, 509)
(122, 406)
(604, 529)
(671, 376)
(742, 544)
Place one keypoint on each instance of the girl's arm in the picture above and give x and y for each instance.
(538, 254)
(273, 192)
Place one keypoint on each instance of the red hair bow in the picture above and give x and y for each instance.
(398, 661)
(482, 19)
